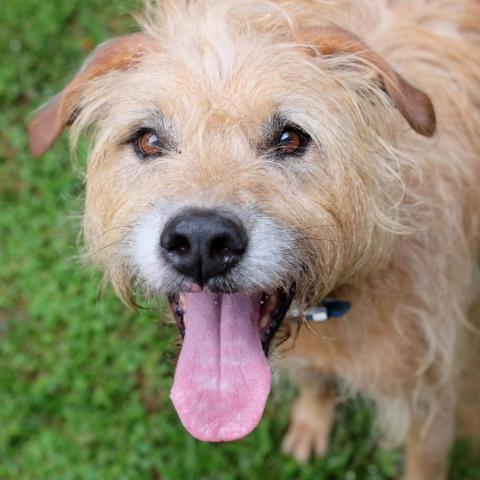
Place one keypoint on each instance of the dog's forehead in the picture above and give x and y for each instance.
(219, 72)
(228, 83)
(209, 74)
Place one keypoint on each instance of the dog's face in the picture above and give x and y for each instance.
(232, 167)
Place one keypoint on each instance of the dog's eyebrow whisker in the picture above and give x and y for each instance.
(143, 112)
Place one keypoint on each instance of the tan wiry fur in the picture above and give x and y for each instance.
(382, 216)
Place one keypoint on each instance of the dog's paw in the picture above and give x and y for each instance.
(301, 441)
(310, 426)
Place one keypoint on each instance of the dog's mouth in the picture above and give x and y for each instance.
(223, 379)
(273, 308)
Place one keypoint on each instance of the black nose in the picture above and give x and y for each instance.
(203, 244)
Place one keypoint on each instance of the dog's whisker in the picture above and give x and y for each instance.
(319, 226)
(105, 247)
(320, 239)
(113, 229)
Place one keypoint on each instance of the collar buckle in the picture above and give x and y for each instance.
(328, 308)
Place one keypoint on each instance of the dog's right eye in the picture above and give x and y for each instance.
(148, 144)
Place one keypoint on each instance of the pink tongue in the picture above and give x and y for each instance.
(222, 379)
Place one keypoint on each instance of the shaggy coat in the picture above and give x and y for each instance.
(383, 210)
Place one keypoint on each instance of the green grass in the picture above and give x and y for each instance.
(84, 383)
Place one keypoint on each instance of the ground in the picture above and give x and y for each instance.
(83, 382)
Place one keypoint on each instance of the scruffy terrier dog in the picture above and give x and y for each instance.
(247, 154)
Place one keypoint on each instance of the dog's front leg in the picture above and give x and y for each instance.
(311, 420)
(429, 442)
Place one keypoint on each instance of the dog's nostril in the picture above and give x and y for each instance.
(225, 250)
(179, 245)
(220, 246)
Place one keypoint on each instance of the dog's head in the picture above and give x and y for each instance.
(240, 155)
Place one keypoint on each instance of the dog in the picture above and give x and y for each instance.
(310, 166)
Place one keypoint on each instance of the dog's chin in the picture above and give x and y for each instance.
(273, 307)
(223, 379)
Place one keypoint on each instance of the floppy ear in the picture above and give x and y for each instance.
(415, 106)
(49, 122)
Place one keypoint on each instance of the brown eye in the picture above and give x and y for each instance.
(291, 141)
(149, 144)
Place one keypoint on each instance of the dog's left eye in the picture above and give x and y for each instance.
(290, 141)
(149, 144)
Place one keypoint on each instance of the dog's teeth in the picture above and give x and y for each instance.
(182, 301)
(264, 321)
